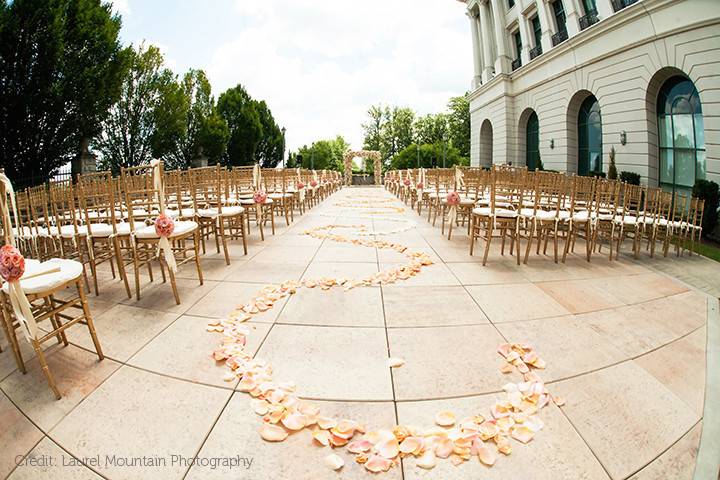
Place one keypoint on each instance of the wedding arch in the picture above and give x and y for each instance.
(371, 154)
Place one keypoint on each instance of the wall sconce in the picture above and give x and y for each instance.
(552, 143)
(623, 137)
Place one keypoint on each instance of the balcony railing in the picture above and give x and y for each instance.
(590, 18)
(620, 4)
(517, 63)
(559, 37)
(535, 52)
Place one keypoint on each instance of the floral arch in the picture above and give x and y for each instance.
(371, 154)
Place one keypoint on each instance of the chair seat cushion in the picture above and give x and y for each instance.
(499, 212)
(69, 270)
(226, 212)
(184, 213)
(540, 214)
(627, 220)
(25, 232)
(181, 228)
(250, 201)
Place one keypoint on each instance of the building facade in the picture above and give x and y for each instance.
(565, 82)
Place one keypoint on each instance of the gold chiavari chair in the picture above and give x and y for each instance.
(694, 226)
(276, 190)
(141, 193)
(47, 240)
(662, 225)
(506, 191)
(547, 199)
(97, 198)
(579, 221)
(629, 216)
(678, 220)
(603, 213)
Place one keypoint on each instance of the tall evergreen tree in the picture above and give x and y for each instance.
(61, 66)
(244, 125)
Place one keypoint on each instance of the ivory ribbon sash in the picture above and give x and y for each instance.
(164, 243)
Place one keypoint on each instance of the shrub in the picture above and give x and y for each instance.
(593, 173)
(710, 192)
(540, 165)
(630, 177)
(612, 170)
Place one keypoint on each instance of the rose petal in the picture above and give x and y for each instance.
(273, 433)
(322, 437)
(334, 461)
(412, 445)
(260, 406)
(359, 446)
(294, 421)
(522, 434)
(394, 362)
(427, 460)
(445, 418)
(486, 456)
(377, 464)
(388, 448)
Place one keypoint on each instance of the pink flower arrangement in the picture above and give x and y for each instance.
(419, 186)
(12, 263)
(260, 196)
(453, 199)
(313, 183)
(300, 185)
(164, 226)
(406, 182)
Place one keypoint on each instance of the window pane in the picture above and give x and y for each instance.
(701, 167)
(699, 131)
(665, 129)
(666, 166)
(684, 135)
(685, 167)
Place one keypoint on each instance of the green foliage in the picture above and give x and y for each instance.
(61, 67)
(431, 129)
(599, 174)
(710, 192)
(270, 148)
(244, 125)
(629, 177)
(612, 170)
(147, 117)
(430, 156)
(389, 130)
(213, 137)
(458, 118)
(324, 154)
(540, 164)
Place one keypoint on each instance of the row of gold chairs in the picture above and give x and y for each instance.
(542, 207)
(65, 227)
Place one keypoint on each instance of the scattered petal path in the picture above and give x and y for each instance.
(284, 413)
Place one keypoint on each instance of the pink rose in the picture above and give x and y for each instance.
(260, 196)
(12, 263)
(313, 183)
(419, 186)
(164, 226)
(453, 199)
(406, 182)
(300, 185)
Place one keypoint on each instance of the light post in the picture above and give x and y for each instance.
(444, 151)
(282, 158)
(418, 154)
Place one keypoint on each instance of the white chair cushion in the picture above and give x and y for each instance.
(250, 201)
(181, 228)
(581, 216)
(540, 214)
(499, 212)
(627, 220)
(25, 232)
(185, 213)
(67, 231)
(101, 230)
(69, 270)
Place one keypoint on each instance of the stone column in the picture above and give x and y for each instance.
(572, 17)
(503, 60)
(487, 72)
(604, 9)
(524, 37)
(544, 25)
(477, 59)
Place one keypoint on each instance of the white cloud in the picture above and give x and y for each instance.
(121, 6)
(320, 64)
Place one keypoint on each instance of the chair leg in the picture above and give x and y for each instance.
(223, 240)
(533, 227)
(197, 256)
(89, 322)
(488, 238)
(45, 369)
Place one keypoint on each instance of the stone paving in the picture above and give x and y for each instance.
(624, 344)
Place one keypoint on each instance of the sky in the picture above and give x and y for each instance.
(319, 64)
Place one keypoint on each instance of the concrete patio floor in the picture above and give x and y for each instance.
(625, 345)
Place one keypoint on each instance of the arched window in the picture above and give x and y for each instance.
(589, 137)
(532, 142)
(681, 135)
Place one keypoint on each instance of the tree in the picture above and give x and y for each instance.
(612, 170)
(61, 66)
(244, 125)
(325, 154)
(147, 118)
(430, 156)
(373, 129)
(431, 129)
(270, 148)
(201, 130)
(389, 130)
(458, 119)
